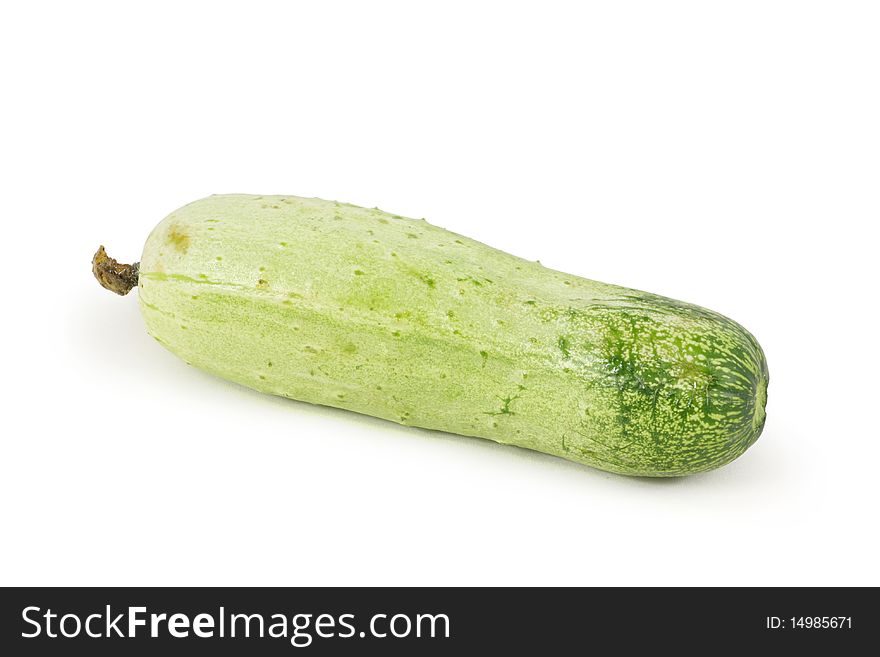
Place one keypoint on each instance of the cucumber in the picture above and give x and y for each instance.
(372, 312)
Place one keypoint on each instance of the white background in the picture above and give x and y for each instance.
(723, 153)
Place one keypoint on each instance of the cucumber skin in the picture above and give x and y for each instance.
(359, 309)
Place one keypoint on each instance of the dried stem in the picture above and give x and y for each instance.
(112, 275)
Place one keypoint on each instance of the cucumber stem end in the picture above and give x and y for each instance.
(112, 275)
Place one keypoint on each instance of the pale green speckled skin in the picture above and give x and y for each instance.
(371, 312)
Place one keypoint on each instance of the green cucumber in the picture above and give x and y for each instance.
(359, 309)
